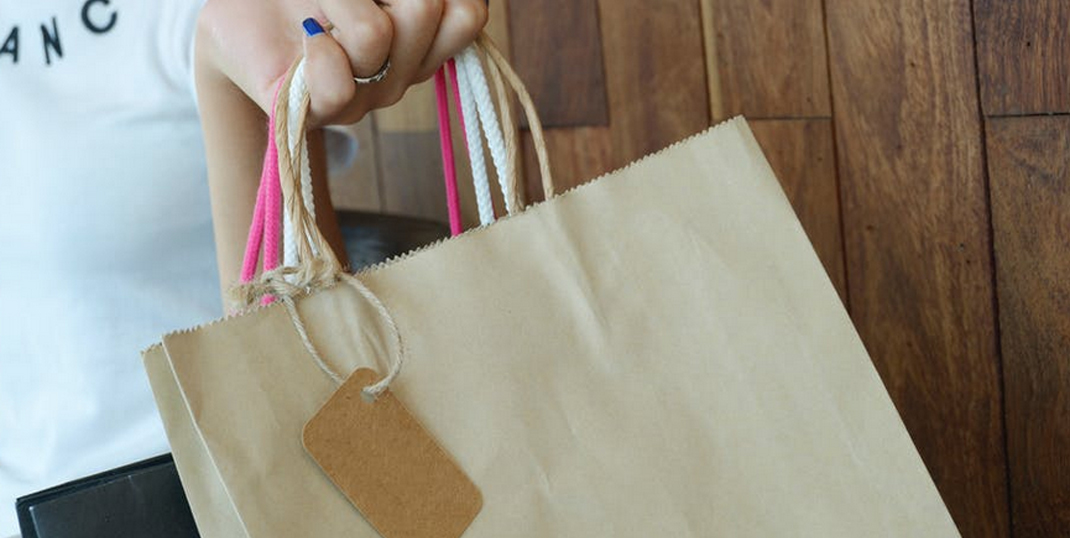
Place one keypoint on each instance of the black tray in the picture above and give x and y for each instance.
(140, 500)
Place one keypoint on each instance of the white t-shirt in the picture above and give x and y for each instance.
(105, 230)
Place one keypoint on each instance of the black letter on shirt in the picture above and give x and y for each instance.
(51, 41)
(11, 45)
(94, 27)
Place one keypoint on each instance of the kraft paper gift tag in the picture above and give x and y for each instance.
(388, 465)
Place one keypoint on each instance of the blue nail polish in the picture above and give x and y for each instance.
(312, 28)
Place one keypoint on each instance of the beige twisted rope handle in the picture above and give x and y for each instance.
(318, 266)
(498, 65)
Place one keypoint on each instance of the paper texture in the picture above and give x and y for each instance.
(658, 353)
(388, 465)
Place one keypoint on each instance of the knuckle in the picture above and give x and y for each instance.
(424, 76)
(333, 97)
(353, 113)
(372, 35)
(471, 16)
(396, 96)
(391, 96)
(427, 10)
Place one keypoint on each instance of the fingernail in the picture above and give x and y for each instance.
(312, 27)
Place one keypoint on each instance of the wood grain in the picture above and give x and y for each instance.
(559, 57)
(1030, 180)
(655, 74)
(415, 112)
(577, 156)
(411, 168)
(1023, 53)
(766, 59)
(410, 163)
(916, 237)
(714, 87)
(498, 25)
(801, 153)
(353, 169)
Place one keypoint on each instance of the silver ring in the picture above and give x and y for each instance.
(379, 75)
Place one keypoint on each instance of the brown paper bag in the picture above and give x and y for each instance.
(656, 353)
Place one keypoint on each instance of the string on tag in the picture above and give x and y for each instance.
(286, 291)
(287, 177)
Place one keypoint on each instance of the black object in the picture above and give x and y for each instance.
(141, 500)
(372, 237)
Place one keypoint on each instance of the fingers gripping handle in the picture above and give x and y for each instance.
(287, 190)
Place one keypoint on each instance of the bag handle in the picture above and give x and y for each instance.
(449, 166)
(475, 108)
(499, 67)
(309, 241)
(318, 267)
(263, 241)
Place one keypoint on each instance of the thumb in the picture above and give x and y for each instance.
(328, 74)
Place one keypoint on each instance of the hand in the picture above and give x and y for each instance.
(253, 42)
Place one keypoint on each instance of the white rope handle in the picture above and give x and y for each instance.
(475, 146)
(296, 95)
(468, 61)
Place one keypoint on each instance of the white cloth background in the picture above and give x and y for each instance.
(105, 230)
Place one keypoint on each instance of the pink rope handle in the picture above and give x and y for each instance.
(256, 233)
(265, 228)
(449, 166)
(452, 67)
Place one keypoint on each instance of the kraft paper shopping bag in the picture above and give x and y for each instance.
(656, 353)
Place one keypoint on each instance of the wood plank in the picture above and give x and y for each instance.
(766, 59)
(498, 25)
(918, 249)
(410, 163)
(1023, 52)
(801, 153)
(1030, 180)
(714, 86)
(411, 168)
(415, 112)
(577, 155)
(558, 52)
(655, 74)
(353, 172)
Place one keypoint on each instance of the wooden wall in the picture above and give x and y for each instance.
(925, 145)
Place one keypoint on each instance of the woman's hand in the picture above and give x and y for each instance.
(243, 49)
(253, 42)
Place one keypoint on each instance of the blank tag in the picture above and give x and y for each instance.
(389, 466)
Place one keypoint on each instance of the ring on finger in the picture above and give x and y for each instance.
(379, 75)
